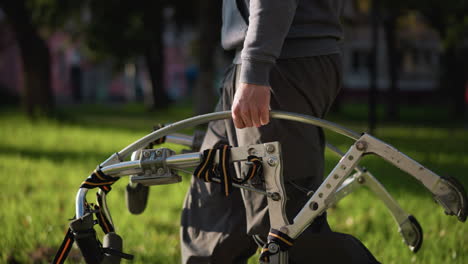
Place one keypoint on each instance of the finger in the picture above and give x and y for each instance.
(255, 117)
(246, 118)
(264, 117)
(238, 123)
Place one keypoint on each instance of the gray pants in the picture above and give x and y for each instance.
(218, 229)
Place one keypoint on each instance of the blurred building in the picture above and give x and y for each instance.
(76, 78)
(418, 53)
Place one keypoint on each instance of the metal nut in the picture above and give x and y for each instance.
(270, 148)
(252, 151)
(361, 145)
(273, 248)
(275, 196)
(272, 161)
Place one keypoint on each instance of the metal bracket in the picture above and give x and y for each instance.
(155, 169)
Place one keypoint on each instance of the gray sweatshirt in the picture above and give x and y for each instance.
(262, 31)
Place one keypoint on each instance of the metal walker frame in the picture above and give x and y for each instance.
(159, 166)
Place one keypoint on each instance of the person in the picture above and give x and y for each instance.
(287, 58)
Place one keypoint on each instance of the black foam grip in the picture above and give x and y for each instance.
(114, 242)
(136, 198)
(85, 238)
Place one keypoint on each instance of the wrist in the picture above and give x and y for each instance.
(255, 72)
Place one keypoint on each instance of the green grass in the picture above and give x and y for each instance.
(42, 163)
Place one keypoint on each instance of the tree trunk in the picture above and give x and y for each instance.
(455, 79)
(373, 63)
(154, 58)
(392, 98)
(209, 35)
(37, 96)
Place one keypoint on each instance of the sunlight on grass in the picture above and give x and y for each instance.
(43, 162)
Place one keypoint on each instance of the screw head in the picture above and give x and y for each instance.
(314, 206)
(272, 161)
(160, 171)
(158, 152)
(273, 248)
(275, 196)
(252, 151)
(270, 148)
(146, 154)
(361, 145)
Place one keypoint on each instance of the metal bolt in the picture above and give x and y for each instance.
(158, 152)
(148, 172)
(146, 154)
(275, 196)
(272, 161)
(361, 145)
(252, 151)
(320, 195)
(270, 148)
(273, 248)
(314, 206)
(160, 171)
(351, 157)
(336, 176)
(328, 186)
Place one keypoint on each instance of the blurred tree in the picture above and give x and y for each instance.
(392, 11)
(37, 97)
(450, 19)
(209, 39)
(125, 29)
(31, 21)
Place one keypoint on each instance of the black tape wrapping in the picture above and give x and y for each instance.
(281, 239)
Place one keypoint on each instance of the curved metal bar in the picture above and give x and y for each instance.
(201, 119)
(80, 202)
(110, 164)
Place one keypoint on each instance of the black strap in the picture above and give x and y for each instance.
(277, 237)
(117, 253)
(207, 170)
(255, 170)
(65, 248)
(159, 140)
(223, 169)
(99, 179)
(102, 219)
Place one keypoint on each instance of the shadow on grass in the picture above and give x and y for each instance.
(57, 156)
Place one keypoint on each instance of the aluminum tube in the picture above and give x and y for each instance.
(201, 119)
(180, 139)
(184, 160)
(80, 202)
(123, 168)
